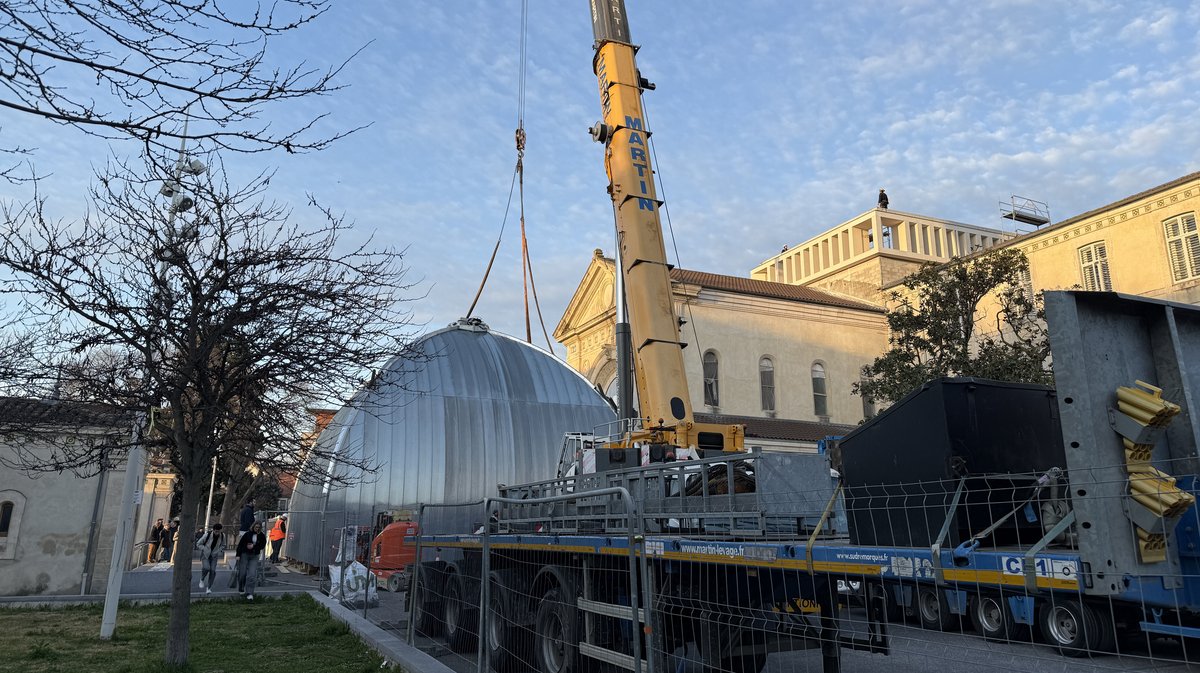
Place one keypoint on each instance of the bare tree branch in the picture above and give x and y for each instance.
(121, 70)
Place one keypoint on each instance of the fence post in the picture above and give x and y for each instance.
(413, 595)
(485, 570)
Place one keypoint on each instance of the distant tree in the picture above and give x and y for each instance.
(229, 318)
(137, 69)
(935, 328)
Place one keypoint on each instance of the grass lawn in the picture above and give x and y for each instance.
(291, 634)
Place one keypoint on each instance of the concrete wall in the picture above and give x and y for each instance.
(47, 546)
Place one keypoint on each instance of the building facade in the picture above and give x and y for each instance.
(1145, 244)
(756, 348)
(846, 259)
(56, 528)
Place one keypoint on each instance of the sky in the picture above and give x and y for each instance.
(773, 121)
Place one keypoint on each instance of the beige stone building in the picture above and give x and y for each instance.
(847, 260)
(756, 348)
(1145, 244)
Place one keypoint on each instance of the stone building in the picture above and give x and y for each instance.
(756, 348)
(1145, 244)
(56, 528)
(847, 260)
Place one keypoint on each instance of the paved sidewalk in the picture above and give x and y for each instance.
(151, 583)
(387, 643)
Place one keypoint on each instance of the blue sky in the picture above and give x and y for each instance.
(773, 120)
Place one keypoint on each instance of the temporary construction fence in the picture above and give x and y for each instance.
(618, 578)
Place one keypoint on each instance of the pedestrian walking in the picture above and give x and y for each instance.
(246, 519)
(277, 535)
(212, 549)
(154, 540)
(249, 547)
(169, 535)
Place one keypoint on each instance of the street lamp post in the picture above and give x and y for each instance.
(211, 484)
(135, 464)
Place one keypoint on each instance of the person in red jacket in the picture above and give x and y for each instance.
(248, 549)
(278, 534)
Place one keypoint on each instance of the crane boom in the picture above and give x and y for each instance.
(662, 388)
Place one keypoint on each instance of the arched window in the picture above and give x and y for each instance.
(766, 382)
(820, 397)
(711, 380)
(12, 507)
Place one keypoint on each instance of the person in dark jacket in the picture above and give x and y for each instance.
(883, 199)
(154, 539)
(249, 548)
(247, 518)
(168, 539)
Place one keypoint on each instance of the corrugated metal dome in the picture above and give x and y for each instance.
(473, 410)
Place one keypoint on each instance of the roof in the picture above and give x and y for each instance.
(1103, 209)
(766, 288)
(777, 428)
(25, 411)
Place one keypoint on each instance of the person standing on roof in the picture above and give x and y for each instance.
(883, 199)
(278, 534)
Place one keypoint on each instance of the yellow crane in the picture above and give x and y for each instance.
(667, 423)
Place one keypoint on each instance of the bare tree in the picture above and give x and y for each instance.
(230, 318)
(136, 69)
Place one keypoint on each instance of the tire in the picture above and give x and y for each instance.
(428, 620)
(1075, 629)
(555, 647)
(507, 642)
(932, 609)
(393, 583)
(461, 619)
(992, 618)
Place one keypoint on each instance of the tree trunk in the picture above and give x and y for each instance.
(178, 643)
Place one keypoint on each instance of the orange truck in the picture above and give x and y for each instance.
(393, 553)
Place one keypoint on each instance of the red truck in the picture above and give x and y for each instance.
(393, 553)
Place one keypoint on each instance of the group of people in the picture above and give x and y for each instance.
(162, 541)
(212, 547)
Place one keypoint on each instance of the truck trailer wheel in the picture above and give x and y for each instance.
(394, 584)
(991, 617)
(507, 641)
(426, 611)
(932, 609)
(555, 647)
(1075, 629)
(461, 617)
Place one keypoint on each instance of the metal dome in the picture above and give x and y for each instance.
(473, 410)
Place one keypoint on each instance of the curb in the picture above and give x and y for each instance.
(388, 644)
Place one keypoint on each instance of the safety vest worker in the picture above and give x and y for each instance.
(278, 532)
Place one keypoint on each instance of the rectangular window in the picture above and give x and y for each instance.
(1025, 281)
(1093, 266)
(1183, 247)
